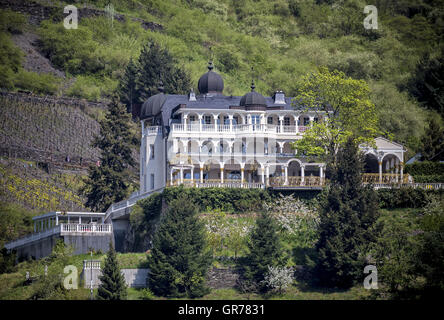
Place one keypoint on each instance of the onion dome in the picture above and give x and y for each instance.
(253, 98)
(210, 82)
(153, 106)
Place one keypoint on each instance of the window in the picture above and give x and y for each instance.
(286, 121)
(235, 120)
(226, 120)
(207, 120)
(270, 120)
(152, 181)
(192, 118)
(255, 119)
(151, 151)
(306, 121)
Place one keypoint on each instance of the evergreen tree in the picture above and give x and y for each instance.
(127, 89)
(347, 226)
(179, 258)
(265, 249)
(112, 286)
(110, 181)
(427, 85)
(155, 65)
(433, 142)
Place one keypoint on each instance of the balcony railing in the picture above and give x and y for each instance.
(86, 228)
(238, 128)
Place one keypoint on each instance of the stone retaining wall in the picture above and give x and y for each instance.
(136, 278)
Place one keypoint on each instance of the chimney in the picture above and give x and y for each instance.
(192, 95)
(279, 97)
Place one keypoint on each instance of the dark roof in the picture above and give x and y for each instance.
(253, 98)
(153, 105)
(210, 82)
(217, 102)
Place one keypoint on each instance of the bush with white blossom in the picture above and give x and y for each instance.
(277, 279)
(227, 231)
(296, 219)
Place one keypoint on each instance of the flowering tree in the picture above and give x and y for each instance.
(295, 219)
(277, 279)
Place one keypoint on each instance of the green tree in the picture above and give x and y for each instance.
(110, 181)
(433, 142)
(179, 258)
(265, 249)
(112, 286)
(350, 112)
(127, 89)
(427, 85)
(430, 259)
(155, 65)
(347, 222)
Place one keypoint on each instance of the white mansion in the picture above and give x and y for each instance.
(209, 139)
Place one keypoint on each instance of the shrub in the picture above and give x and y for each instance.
(405, 197)
(426, 168)
(11, 21)
(277, 279)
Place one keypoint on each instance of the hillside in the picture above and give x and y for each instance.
(281, 40)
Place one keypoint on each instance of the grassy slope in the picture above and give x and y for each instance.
(281, 40)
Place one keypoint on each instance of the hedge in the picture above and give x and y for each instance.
(231, 200)
(429, 178)
(426, 168)
(405, 197)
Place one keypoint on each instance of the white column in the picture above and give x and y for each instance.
(242, 175)
(321, 173)
(192, 174)
(401, 165)
(296, 122)
(200, 122)
(185, 117)
(171, 176)
(281, 124)
(201, 173)
(380, 170)
(311, 121)
(181, 175)
(215, 116)
(302, 175)
(222, 173)
(286, 175)
(262, 175)
(267, 175)
(80, 220)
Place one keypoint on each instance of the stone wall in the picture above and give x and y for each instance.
(83, 243)
(218, 278)
(136, 278)
(37, 12)
(37, 249)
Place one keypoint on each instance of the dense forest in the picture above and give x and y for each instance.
(281, 40)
